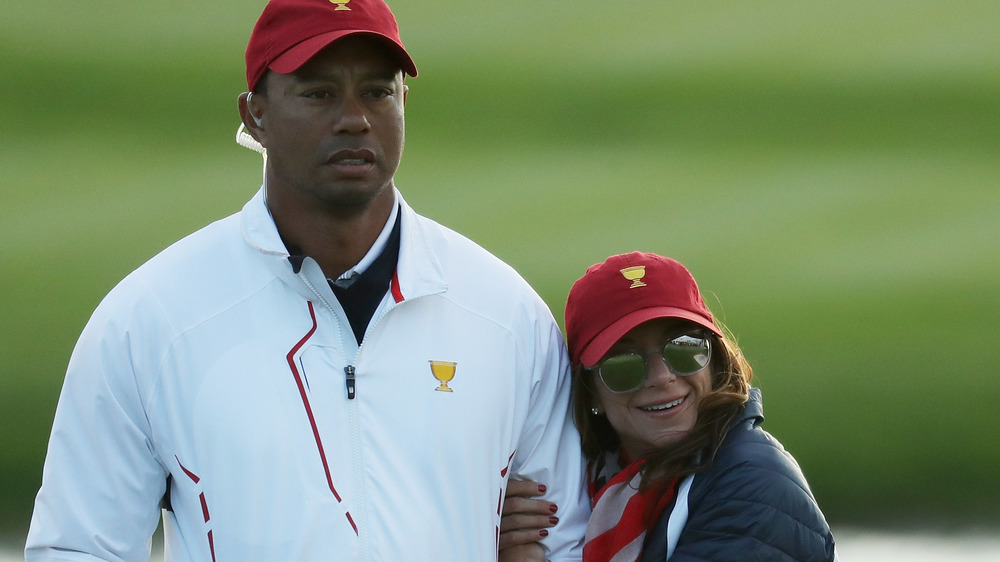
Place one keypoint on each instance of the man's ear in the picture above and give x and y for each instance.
(250, 113)
(405, 90)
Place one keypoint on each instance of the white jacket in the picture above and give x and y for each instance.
(218, 365)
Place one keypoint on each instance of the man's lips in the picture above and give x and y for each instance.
(352, 157)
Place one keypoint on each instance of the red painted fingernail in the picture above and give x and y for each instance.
(553, 508)
(543, 533)
(541, 488)
(553, 520)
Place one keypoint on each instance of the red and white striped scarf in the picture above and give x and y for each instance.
(622, 515)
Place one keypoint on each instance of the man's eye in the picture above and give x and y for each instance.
(379, 93)
(318, 94)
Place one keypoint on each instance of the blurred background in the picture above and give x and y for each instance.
(827, 170)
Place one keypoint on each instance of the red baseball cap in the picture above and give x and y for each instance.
(626, 290)
(290, 32)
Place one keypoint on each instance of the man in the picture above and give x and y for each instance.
(325, 375)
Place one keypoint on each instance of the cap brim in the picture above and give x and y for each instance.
(601, 343)
(292, 59)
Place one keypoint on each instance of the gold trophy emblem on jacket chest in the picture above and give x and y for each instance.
(443, 371)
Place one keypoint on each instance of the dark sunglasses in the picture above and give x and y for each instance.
(684, 355)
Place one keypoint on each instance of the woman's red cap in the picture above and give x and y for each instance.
(626, 290)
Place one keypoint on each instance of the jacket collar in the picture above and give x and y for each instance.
(418, 270)
(754, 410)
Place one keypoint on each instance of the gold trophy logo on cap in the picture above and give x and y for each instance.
(443, 371)
(635, 275)
(341, 5)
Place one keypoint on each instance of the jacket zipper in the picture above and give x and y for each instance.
(349, 370)
(351, 382)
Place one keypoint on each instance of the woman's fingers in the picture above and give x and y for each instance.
(522, 553)
(525, 506)
(522, 537)
(524, 488)
(525, 520)
(522, 522)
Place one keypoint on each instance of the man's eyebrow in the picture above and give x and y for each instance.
(387, 75)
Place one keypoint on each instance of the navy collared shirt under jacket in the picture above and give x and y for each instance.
(361, 297)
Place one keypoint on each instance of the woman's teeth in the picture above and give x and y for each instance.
(666, 406)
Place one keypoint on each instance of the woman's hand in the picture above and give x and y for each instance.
(524, 521)
(522, 553)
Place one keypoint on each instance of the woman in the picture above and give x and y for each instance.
(678, 464)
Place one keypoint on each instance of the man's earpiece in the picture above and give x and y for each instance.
(250, 111)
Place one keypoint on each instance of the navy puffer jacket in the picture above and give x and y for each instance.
(753, 503)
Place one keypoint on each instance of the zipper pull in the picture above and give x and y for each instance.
(350, 381)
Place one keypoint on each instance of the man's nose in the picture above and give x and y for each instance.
(352, 118)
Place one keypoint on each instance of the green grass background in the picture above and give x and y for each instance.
(828, 170)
